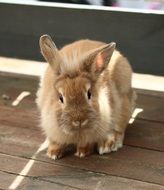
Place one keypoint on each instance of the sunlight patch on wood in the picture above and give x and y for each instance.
(17, 181)
(20, 97)
(134, 114)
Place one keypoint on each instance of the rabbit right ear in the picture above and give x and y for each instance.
(98, 59)
(50, 52)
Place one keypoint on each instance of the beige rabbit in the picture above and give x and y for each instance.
(85, 97)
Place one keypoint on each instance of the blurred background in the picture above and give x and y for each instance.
(137, 26)
(139, 4)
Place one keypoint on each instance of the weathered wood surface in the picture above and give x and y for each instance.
(138, 165)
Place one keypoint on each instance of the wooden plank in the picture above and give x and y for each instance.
(19, 117)
(35, 184)
(24, 138)
(151, 92)
(133, 163)
(75, 178)
(153, 108)
(19, 83)
(130, 162)
(141, 133)
(12, 87)
(12, 164)
(146, 55)
(6, 180)
(145, 134)
(106, 181)
(24, 142)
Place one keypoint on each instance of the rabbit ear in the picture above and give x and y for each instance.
(50, 51)
(103, 57)
(98, 60)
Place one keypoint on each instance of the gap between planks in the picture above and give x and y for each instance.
(27, 167)
(81, 164)
(85, 171)
(40, 180)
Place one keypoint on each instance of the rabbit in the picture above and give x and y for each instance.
(85, 97)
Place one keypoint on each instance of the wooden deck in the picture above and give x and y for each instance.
(24, 165)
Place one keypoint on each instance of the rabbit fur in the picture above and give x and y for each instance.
(85, 97)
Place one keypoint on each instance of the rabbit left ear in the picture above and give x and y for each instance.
(98, 59)
(50, 52)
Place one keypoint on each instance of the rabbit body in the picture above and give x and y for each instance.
(85, 97)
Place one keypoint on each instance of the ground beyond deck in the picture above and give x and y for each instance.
(24, 165)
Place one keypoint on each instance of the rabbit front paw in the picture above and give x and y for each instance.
(84, 151)
(55, 151)
(113, 142)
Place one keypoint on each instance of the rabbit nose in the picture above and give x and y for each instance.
(79, 123)
(76, 123)
(84, 122)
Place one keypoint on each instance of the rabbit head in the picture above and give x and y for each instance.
(76, 84)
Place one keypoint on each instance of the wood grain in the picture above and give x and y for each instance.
(153, 108)
(145, 134)
(138, 165)
(54, 176)
(130, 162)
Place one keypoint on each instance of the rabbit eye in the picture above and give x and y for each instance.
(89, 94)
(61, 98)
